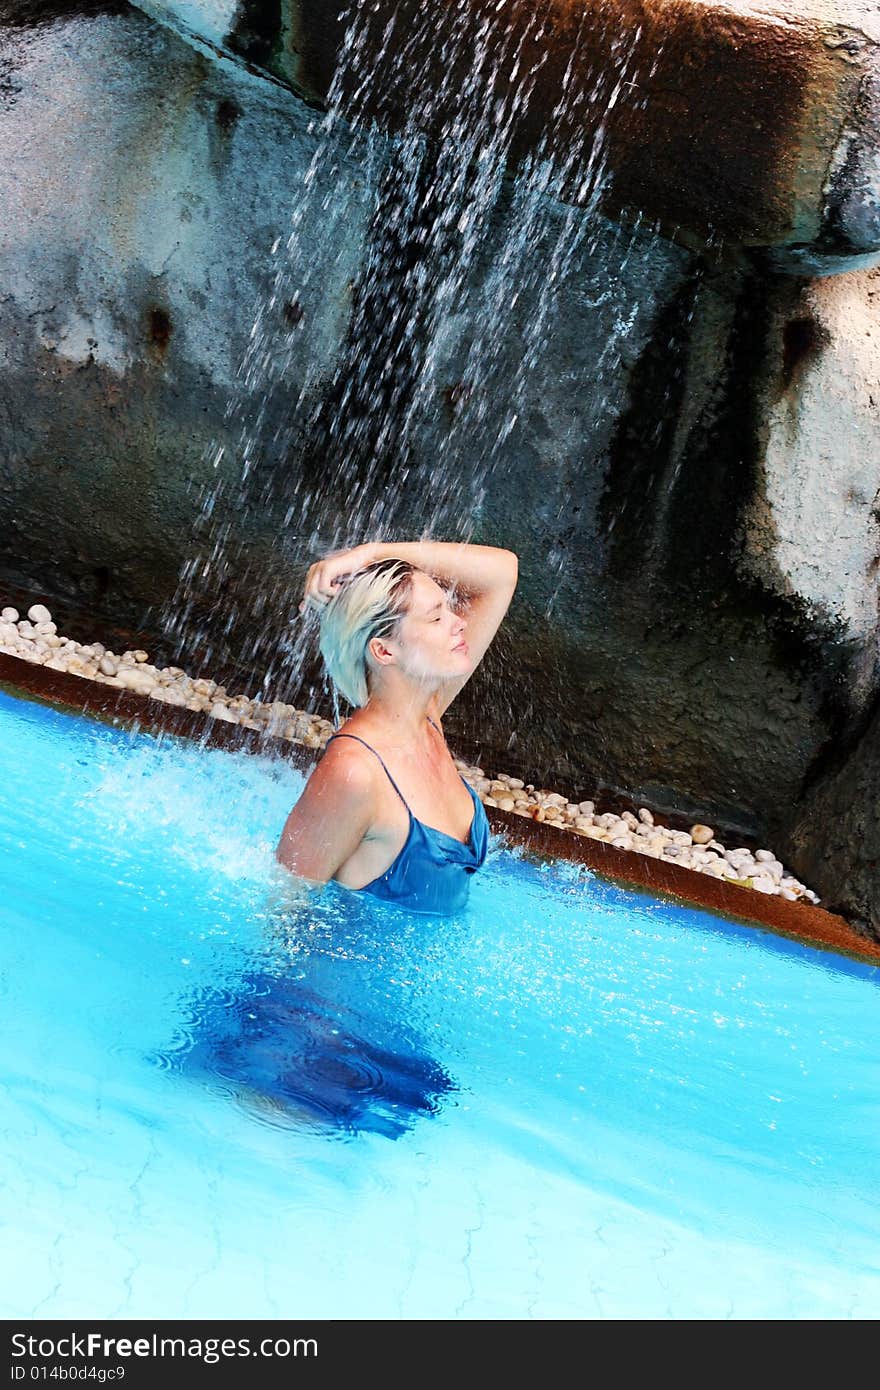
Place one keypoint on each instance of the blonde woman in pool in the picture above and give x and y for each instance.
(385, 812)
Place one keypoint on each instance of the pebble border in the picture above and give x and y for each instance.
(35, 639)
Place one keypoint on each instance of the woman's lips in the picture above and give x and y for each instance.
(462, 646)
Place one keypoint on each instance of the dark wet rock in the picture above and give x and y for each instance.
(834, 829)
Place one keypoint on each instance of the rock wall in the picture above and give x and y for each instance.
(681, 444)
(742, 121)
(142, 190)
(835, 831)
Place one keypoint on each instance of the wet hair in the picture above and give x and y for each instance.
(370, 603)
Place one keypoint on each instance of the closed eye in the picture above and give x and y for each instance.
(447, 605)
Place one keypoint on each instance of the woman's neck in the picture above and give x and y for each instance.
(403, 716)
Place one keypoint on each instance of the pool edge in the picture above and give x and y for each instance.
(814, 926)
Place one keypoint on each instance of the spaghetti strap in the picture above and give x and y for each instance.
(432, 869)
(375, 755)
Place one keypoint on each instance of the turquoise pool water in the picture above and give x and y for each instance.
(570, 1102)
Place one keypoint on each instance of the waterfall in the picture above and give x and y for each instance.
(471, 238)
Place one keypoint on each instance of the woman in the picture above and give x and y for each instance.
(385, 812)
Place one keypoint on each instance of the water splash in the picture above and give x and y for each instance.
(206, 809)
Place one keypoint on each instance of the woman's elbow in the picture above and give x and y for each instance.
(510, 562)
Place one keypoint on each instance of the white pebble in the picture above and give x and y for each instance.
(276, 715)
(645, 816)
(140, 682)
(169, 696)
(9, 615)
(702, 834)
(76, 667)
(38, 613)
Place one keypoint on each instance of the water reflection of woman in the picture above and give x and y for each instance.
(385, 812)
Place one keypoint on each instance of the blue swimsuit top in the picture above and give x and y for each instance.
(432, 871)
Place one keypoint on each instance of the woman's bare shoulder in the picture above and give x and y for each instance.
(333, 814)
(345, 761)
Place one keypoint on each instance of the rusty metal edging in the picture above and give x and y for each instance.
(800, 921)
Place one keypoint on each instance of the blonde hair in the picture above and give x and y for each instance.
(370, 603)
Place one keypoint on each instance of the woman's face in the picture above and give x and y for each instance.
(430, 643)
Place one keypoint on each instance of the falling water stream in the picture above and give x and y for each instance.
(452, 307)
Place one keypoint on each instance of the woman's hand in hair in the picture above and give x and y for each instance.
(325, 576)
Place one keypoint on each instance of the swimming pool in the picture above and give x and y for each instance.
(572, 1101)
